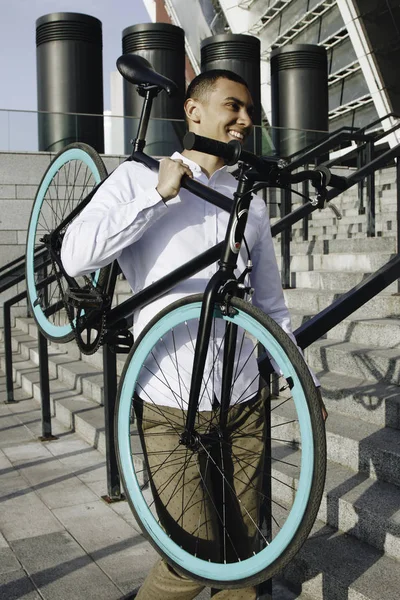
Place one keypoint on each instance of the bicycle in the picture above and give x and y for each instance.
(231, 341)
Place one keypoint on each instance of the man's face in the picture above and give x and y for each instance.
(226, 112)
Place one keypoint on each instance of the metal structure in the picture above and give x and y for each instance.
(163, 45)
(240, 54)
(360, 36)
(69, 80)
(299, 87)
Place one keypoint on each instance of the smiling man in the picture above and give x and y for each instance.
(152, 226)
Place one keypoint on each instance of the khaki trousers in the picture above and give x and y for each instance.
(186, 490)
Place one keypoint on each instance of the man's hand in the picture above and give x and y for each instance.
(170, 177)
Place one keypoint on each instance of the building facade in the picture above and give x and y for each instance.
(361, 38)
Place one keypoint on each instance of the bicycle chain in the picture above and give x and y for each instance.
(83, 347)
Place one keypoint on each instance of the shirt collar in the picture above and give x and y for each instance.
(196, 169)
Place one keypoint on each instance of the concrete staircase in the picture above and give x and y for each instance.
(354, 551)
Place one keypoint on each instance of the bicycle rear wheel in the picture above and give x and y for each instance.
(73, 173)
(191, 502)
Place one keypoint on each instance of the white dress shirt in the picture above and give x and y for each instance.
(127, 220)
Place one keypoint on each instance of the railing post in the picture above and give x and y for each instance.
(8, 352)
(286, 207)
(110, 395)
(398, 210)
(44, 388)
(360, 163)
(305, 190)
(369, 157)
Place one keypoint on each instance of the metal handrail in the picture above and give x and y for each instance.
(16, 273)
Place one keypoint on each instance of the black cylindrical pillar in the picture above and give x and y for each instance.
(163, 45)
(240, 54)
(299, 89)
(69, 80)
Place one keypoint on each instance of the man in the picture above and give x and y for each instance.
(152, 226)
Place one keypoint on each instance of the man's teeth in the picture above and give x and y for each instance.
(236, 134)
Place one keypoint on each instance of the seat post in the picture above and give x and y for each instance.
(149, 93)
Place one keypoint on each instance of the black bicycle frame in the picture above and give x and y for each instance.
(214, 292)
(226, 252)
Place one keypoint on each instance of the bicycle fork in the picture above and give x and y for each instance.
(223, 283)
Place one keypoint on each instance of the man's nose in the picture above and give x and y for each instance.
(244, 118)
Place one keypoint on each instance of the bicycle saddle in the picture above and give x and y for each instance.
(138, 70)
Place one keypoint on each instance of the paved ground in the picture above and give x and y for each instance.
(58, 539)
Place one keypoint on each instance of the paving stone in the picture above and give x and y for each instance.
(61, 569)
(23, 514)
(121, 551)
(62, 489)
(15, 585)
(8, 561)
(23, 453)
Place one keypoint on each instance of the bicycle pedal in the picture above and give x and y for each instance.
(120, 342)
(83, 298)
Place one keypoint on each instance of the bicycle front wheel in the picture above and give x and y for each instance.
(73, 173)
(233, 508)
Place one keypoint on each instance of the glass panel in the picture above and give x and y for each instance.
(335, 94)
(293, 13)
(4, 130)
(20, 131)
(355, 86)
(310, 35)
(360, 117)
(341, 55)
(331, 23)
(23, 133)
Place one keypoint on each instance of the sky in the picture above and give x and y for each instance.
(18, 46)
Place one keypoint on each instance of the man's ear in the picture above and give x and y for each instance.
(192, 110)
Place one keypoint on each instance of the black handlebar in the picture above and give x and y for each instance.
(229, 152)
(232, 152)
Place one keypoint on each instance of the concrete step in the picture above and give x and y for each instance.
(27, 326)
(75, 374)
(314, 235)
(372, 332)
(353, 398)
(374, 364)
(353, 245)
(333, 565)
(333, 232)
(360, 262)
(363, 447)
(385, 305)
(368, 509)
(331, 280)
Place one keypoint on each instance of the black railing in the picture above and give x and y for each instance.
(10, 275)
(363, 155)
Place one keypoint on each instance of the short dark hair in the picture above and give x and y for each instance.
(205, 82)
